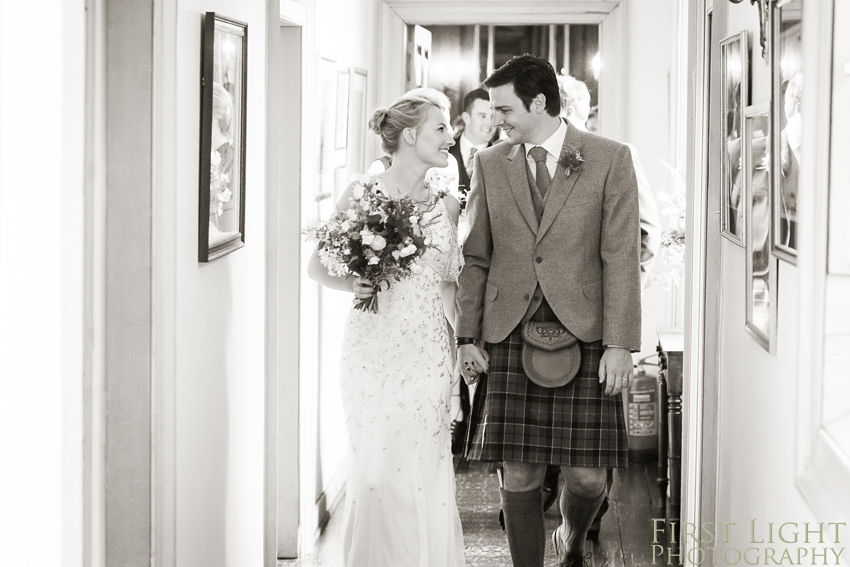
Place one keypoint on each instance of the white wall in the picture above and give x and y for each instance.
(42, 102)
(648, 108)
(220, 318)
(758, 390)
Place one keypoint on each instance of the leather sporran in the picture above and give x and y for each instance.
(551, 354)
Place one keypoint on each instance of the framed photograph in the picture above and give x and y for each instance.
(357, 122)
(761, 265)
(327, 129)
(786, 89)
(734, 79)
(221, 202)
(342, 80)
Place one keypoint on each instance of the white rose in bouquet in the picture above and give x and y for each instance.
(378, 243)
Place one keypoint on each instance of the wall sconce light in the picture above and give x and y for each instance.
(764, 10)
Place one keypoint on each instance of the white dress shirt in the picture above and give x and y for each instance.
(465, 148)
(553, 146)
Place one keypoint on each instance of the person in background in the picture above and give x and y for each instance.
(789, 144)
(478, 133)
(575, 107)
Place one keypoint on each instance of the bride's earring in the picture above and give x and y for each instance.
(410, 136)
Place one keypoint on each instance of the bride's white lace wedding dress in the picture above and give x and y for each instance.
(396, 378)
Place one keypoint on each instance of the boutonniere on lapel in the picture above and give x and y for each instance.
(571, 160)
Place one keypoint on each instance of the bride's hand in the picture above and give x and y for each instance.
(363, 288)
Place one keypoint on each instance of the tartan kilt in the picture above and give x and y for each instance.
(514, 419)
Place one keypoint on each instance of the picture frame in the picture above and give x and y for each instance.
(357, 121)
(224, 78)
(734, 80)
(761, 269)
(326, 151)
(342, 88)
(786, 87)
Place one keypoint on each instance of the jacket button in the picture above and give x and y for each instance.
(539, 260)
(526, 298)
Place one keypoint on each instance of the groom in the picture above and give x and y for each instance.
(554, 237)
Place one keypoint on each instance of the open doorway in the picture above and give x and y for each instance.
(461, 56)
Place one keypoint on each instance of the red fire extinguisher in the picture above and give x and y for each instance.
(640, 404)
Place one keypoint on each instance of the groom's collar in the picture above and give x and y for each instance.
(566, 132)
(553, 143)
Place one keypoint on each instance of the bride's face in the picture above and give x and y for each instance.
(434, 138)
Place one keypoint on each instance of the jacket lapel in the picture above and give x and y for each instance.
(518, 181)
(562, 184)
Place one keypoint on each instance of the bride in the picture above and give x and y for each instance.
(396, 370)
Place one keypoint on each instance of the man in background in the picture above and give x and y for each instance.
(478, 133)
(575, 107)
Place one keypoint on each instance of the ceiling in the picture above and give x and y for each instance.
(459, 12)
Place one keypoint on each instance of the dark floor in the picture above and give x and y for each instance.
(624, 541)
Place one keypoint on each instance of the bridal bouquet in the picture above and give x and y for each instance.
(377, 237)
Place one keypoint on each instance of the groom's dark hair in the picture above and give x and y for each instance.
(530, 76)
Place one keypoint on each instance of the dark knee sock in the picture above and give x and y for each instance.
(523, 513)
(578, 513)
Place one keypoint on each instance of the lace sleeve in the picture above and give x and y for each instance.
(455, 256)
(444, 254)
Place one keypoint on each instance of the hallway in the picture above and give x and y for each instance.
(624, 541)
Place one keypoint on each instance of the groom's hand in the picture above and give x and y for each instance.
(615, 369)
(471, 361)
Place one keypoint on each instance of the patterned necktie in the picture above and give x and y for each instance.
(470, 160)
(538, 154)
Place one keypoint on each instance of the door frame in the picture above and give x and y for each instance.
(702, 265)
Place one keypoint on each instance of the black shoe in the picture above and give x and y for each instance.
(550, 486)
(458, 437)
(575, 560)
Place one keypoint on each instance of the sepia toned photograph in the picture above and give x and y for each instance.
(788, 88)
(761, 266)
(526, 283)
(734, 78)
(221, 220)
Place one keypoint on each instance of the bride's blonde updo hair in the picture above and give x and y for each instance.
(408, 111)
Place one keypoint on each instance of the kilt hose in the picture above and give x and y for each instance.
(514, 419)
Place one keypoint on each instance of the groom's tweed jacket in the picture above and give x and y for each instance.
(584, 252)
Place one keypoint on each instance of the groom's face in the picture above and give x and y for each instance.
(510, 114)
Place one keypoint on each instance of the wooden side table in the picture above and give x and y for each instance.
(671, 344)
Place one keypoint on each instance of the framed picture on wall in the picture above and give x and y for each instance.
(342, 80)
(761, 265)
(786, 89)
(734, 79)
(357, 122)
(221, 202)
(326, 158)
